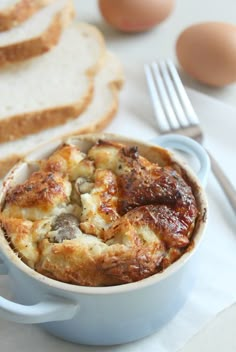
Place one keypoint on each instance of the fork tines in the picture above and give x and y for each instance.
(172, 107)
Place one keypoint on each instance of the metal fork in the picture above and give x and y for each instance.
(175, 114)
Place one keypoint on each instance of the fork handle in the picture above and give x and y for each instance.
(224, 182)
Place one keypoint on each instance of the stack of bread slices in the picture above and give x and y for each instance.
(56, 76)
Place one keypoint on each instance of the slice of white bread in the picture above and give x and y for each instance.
(98, 114)
(36, 35)
(48, 90)
(14, 12)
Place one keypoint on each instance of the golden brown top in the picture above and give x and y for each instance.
(40, 195)
(105, 217)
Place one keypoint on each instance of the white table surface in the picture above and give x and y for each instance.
(134, 51)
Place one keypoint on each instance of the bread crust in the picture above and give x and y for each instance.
(21, 125)
(36, 121)
(19, 12)
(38, 45)
(98, 125)
(42, 188)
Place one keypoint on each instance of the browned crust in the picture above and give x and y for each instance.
(130, 256)
(20, 12)
(41, 44)
(134, 259)
(113, 267)
(42, 188)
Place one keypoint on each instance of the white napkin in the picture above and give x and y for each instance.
(215, 287)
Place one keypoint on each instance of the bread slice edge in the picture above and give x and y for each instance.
(97, 125)
(20, 125)
(17, 13)
(38, 45)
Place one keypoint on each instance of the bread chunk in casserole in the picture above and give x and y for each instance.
(42, 195)
(100, 217)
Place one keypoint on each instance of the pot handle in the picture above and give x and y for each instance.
(53, 308)
(190, 146)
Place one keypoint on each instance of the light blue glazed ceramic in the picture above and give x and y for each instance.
(102, 315)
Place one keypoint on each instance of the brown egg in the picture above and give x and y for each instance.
(135, 15)
(207, 52)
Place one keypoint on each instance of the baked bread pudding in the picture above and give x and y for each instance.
(103, 216)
